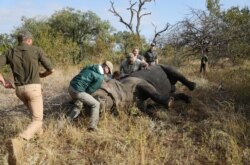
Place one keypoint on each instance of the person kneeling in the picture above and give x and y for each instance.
(83, 85)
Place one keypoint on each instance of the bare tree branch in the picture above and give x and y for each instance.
(159, 32)
(139, 15)
(133, 11)
(112, 10)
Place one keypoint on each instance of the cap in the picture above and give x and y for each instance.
(110, 66)
(24, 34)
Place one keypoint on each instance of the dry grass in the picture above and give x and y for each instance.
(213, 129)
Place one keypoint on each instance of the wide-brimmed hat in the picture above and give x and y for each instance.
(109, 65)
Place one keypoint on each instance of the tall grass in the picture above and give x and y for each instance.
(213, 129)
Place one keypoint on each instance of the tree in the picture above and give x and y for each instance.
(237, 32)
(82, 28)
(6, 42)
(224, 33)
(60, 49)
(201, 30)
(213, 7)
(136, 15)
(127, 41)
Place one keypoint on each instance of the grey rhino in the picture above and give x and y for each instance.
(157, 83)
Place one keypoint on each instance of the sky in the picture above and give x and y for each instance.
(163, 11)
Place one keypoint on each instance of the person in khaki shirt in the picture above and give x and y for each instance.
(24, 60)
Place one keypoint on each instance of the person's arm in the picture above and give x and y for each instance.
(3, 61)
(46, 63)
(144, 64)
(46, 73)
(146, 56)
(206, 59)
(6, 83)
(122, 68)
(2, 81)
(141, 57)
(156, 57)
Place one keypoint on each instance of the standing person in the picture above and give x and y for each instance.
(83, 85)
(204, 61)
(24, 61)
(137, 55)
(151, 56)
(130, 65)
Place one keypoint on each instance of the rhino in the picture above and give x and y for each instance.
(156, 83)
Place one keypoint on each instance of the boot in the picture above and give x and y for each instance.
(73, 114)
(16, 150)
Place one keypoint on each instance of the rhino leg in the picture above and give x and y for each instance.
(174, 76)
(144, 91)
(182, 97)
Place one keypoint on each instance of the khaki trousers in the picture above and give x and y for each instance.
(31, 95)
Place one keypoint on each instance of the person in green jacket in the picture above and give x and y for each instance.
(83, 85)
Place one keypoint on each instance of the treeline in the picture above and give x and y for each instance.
(72, 36)
(223, 33)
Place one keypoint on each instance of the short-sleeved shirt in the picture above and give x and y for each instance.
(150, 56)
(140, 57)
(127, 68)
(24, 61)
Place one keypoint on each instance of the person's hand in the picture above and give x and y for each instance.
(147, 67)
(46, 73)
(42, 74)
(9, 85)
(6, 83)
(2, 81)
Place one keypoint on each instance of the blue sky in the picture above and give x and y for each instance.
(163, 11)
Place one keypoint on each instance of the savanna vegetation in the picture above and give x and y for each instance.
(213, 129)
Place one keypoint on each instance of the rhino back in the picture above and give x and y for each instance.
(156, 77)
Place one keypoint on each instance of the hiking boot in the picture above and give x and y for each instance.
(16, 150)
(73, 114)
